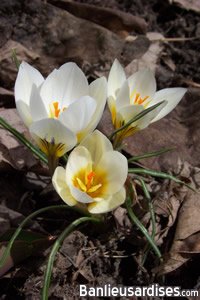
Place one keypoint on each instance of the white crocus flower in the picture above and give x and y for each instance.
(94, 177)
(129, 97)
(61, 109)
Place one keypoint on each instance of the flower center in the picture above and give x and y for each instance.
(136, 98)
(55, 110)
(87, 186)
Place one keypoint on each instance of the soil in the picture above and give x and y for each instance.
(111, 253)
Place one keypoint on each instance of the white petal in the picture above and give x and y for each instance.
(26, 77)
(53, 131)
(97, 144)
(115, 165)
(79, 159)
(98, 91)
(116, 78)
(173, 97)
(109, 203)
(144, 82)
(37, 108)
(61, 186)
(23, 111)
(78, 115)
(123, 97)
(65, 85)
(79, 195)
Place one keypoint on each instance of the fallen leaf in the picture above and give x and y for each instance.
(117, 21)
(26, 244)
(187, 4)
(12, 152)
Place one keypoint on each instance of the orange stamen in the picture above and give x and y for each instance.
(142, 100)
(64, 108)
(57, 111)
(89, 178)
(139, 100)
(136, 97)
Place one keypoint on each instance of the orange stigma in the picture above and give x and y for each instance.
(89, 178)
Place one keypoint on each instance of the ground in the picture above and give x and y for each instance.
(47, 35)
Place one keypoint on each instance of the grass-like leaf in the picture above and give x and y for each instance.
(137, 117)
(137, 222)
(150, 154)
(15, 59)
(27, 219)
(159, 174)
(55, 248)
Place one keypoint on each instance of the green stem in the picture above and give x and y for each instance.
(151, 154)
(55, 248)
(134, 119)
(159, 174)
(26, 142)
(27, 219)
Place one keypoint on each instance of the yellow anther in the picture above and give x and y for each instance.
(94, 188)
(82, 185)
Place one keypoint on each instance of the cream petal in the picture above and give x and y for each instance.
(78, 115)
(172, 95)
(54, 132)
(116, 78)
(115, 166)
(108, 204)
(65, 85)
(61, 186)
(127, 113)
(79, 159)
(98, 91)
(26, 77)
(123, 97)
(142, 82)
(37, 108)
(79, 195)
(97, 144)
(23, 111)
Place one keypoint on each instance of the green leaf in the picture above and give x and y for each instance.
(55, 248)
(159, 174)
(150, 154)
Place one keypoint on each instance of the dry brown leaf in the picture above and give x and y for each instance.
(6, 98)
(8, 70)
(117, 21)
(187, 4)
(150, 58)
(12, 152)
